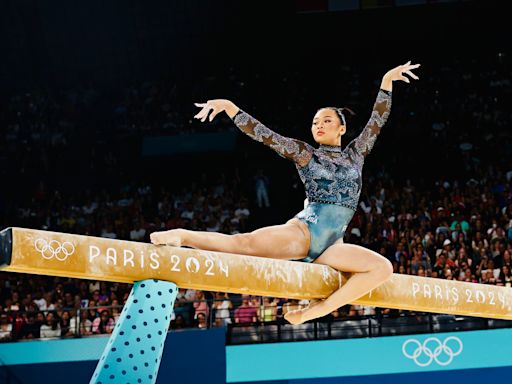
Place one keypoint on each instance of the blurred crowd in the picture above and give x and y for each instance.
(452, 220)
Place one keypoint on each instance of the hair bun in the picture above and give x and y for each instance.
(348, 109)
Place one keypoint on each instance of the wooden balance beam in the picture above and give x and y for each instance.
(87, 257)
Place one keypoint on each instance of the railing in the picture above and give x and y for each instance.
(358, 326)
(257, 330)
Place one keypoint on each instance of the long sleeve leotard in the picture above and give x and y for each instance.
(330, 174)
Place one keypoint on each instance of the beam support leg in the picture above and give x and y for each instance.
(135, 348)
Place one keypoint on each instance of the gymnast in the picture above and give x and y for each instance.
(332, 179)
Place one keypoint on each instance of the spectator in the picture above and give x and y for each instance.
(462, 259)
(479, 242)
(261, 183)
(447, 247)
(5, 327)
(92, 311)
(242, 213)
(245, 313)
(80, 324)
(51, 327)
(30, 328)
(364, 310)
(507, 258)
(116, 310)
(65, 324)
(505, 276)
(103, 324)
(201, 321)
(138, 233)
(200, 305)
(222, 307)
(267, 311)
(178, 323)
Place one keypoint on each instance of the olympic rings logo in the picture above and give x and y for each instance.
(54, 248)
(435, 353)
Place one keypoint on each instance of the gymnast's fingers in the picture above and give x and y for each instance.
(203, 113)
(214, 113)
(412, 75)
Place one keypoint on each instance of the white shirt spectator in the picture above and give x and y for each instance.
(6, 333)
(364, 310)
(356, 232)
(137, 234)
(50, 308)
(186, 214)
(41, 304)
(94, 286)
(47, 331)
(222, 312)
(190, 295)
(242, 212)
(108, 235)
(368, 208)
(495, 272)
(75, 323)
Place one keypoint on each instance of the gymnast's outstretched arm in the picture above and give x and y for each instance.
(292, 149)
(363, 144)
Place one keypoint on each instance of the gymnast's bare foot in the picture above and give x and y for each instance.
(174, 237)
(296, 316)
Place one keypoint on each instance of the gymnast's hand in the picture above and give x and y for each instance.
(216, 106)
(398, 73)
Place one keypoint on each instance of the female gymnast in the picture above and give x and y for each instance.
(332, 179)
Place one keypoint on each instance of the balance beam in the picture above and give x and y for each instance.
(87, 257)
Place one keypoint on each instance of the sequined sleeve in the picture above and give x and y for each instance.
(363, 144)
(295, 150)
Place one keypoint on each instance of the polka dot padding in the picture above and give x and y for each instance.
(135, 348)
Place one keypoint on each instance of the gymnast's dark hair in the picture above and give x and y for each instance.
(341, 113)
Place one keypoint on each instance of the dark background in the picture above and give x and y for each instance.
(272, 59)
(63, 43)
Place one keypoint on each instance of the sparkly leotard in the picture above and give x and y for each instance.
(332, 176)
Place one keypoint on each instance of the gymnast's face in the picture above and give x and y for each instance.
(327, 127)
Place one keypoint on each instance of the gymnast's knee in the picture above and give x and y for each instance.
(384, 268)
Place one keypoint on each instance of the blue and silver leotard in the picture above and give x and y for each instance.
(332, 176)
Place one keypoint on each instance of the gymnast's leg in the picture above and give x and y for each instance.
(370, 270)
(287, 241)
